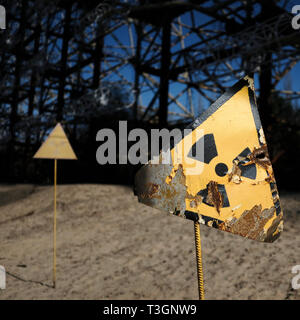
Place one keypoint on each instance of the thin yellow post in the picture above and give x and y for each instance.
(54, 226)
(199, 260)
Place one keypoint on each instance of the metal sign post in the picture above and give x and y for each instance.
(54, 225)
(56, 146)
(199, 260)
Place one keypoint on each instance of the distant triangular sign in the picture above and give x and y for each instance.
(56, 146)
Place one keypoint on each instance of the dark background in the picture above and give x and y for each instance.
(47, 48)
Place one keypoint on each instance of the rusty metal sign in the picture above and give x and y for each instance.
(236, 191)
(56, 146)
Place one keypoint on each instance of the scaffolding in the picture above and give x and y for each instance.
(61, 60)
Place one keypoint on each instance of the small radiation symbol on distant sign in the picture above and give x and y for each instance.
(236, 190)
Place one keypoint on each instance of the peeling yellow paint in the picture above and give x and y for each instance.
(235, 190)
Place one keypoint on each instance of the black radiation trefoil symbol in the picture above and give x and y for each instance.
(221, 169)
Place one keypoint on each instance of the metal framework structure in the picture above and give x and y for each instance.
(63, 60)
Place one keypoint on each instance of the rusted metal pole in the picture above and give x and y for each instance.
(199, 260)
(54, 225)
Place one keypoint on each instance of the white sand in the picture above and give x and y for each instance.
(112, 247)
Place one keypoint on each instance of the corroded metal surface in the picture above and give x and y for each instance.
(236, 192)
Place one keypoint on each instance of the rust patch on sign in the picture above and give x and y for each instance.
(151, 191)
(251, 224)
(260, 157)
(235, 173)
(275, 229)
(195, 201)
(154, 191)
(214, 196)
(171, 176)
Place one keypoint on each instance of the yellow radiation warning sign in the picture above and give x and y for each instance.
(236, 190)
(56, 146)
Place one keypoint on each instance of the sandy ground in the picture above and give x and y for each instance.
(111, 247)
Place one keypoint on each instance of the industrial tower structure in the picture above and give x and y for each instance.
(60, 59)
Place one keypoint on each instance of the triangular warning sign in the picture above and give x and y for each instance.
(56, 146)
(236, 189)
